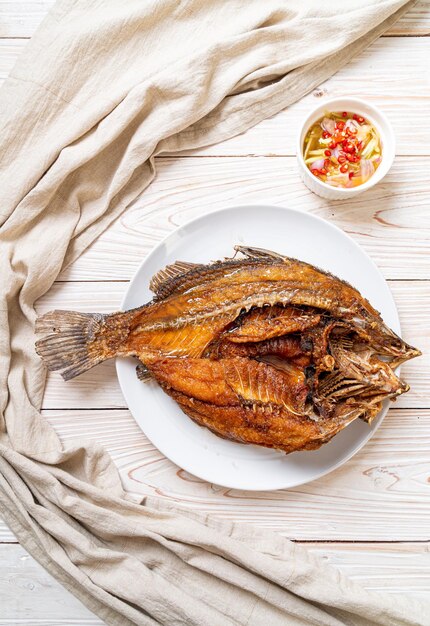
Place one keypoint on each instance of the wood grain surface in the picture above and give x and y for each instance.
(370, 518)
(390, 217)
(29, 595)
(381, 494)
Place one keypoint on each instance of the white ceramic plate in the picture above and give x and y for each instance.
(212, 237)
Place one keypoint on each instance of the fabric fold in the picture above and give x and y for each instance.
(101, 89)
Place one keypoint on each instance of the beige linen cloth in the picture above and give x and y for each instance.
(103, 86)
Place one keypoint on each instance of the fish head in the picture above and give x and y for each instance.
(358, 371)
(385, 342)
(360, 360)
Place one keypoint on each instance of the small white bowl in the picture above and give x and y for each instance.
(382, 125)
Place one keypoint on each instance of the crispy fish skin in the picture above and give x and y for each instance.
(264, 349)
(204, 301)
(240, 399)
(248, 402)
(232, 381)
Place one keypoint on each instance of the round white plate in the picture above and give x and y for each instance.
(212, 237)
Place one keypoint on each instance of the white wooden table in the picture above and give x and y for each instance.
(371, 518)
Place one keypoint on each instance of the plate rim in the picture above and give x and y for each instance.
(119, 361)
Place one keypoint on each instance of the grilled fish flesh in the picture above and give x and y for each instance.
(261, 349)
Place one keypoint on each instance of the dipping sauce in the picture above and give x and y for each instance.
(342, 149)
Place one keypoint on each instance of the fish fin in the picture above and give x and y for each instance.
(76, 342)
(170, 271)
(258, 253)
(143, 373)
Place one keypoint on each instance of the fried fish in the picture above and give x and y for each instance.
(260, 349)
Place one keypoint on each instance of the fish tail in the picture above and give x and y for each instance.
(76, 342)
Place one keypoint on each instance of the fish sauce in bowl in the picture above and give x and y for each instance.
(342, 149)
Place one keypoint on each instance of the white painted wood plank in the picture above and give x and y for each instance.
(391, 221)
(20, 18)
(393, 568)
(402, 95)
(6, 535)
(31, 596)
(381, 494)
(415, 22)
(99, 388)
(392, 73)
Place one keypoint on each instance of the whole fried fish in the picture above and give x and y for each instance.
(260, 349)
